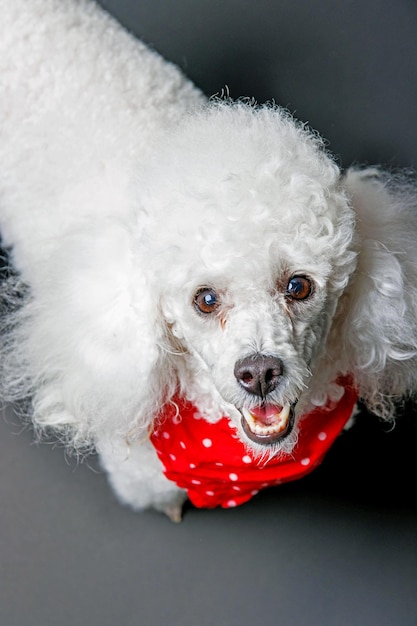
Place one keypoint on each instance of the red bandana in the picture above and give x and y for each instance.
(211, 463)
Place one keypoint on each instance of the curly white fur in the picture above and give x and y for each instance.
(123, 191)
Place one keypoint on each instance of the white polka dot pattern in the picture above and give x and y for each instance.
(216, 469)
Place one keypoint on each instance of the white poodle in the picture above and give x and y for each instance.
(198, 293)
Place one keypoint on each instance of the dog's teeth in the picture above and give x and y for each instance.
(278, 421)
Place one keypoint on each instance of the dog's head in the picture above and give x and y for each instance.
(252, 241)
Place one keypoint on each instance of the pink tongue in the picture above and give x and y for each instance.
(266, 414)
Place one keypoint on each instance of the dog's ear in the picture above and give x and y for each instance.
(89, 343)
(380, 316)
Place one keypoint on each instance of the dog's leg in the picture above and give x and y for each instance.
(135, 473)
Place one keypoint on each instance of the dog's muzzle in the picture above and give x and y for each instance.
(259, 374)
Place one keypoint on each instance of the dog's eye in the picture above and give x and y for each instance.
(206, 301)
(299, 288)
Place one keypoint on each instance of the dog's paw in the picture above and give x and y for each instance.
(174, 512)
(173, 508)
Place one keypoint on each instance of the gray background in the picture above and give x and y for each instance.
(338, 548)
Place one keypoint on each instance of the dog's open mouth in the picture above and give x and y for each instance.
(268, 423)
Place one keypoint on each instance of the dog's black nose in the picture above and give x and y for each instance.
(259, 373)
